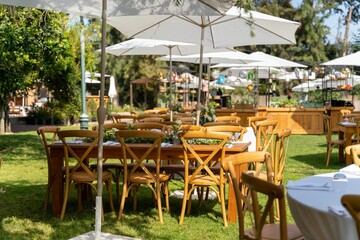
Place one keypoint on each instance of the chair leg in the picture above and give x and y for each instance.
(123, 198)
(181, 220)
(222, 201)
(66, 194)
(47, 196)
(158, 196)
(109, 188)
(166, 193)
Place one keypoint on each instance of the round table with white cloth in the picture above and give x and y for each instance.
(315, 204)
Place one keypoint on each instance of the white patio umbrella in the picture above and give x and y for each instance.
(140, 46)
(307, 86)
(348, 60)
(231, 29)
(268, 60)
(153, 11)
(112, 90)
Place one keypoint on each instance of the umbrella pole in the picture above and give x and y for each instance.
(171, 82)
(198, 104)
(101, 112)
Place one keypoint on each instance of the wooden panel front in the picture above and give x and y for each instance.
(301, 121)
(242, 113)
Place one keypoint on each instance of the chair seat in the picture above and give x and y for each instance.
(272, 232)
(107, 166)
(82, 176)
(139, 177)
(205, 180)
(338, 141)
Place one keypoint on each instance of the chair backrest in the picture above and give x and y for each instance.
(354, 151)
(265, 132)
(119, 118)
(67, 137)
(45, 134)
(237, 132)
(356, 136)
(272, 192)
(152, 119)
(352, 205)
(186, 120)
(345, 112)
(279, 158)
(149, 126)
(110, 126)
(253, 120)
(208, 124)
(140, 157)
(203, 160)
(234, 119)
(189, 127)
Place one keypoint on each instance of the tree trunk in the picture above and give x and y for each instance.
(347, 29)
(4, 117)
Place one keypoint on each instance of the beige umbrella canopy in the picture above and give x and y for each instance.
(143, 81)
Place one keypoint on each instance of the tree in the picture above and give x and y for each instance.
(310, 48)
(35, 49)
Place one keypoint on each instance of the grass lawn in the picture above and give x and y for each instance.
(23, 179)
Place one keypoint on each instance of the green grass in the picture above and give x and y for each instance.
(23, 178)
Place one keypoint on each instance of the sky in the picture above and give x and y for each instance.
(332, 22)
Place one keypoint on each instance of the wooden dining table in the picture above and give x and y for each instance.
(173, 152)
(346, 131)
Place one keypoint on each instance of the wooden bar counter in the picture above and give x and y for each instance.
(300, 120)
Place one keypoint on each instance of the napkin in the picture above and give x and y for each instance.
(164, 144)
(110, 143)
(316, 187)
(348, 123)
(337, 209)
(351, 169)
(71, 141)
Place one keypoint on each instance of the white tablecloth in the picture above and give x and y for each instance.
(310, 209)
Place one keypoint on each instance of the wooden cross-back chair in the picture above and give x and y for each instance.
(331, 143)
(234, 119)
(139, 173)
(81, 174)
(123, 118)
(47, 136)
(354, 151)
(242, 160)
(253, 120)
(186, 120)
(265, 132)
(265, 226)
(152, 119)
(149, 126)
(236, 131)
(352, 205)
(202, 176)
(115, 167)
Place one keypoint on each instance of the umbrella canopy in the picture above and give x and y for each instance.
(348, 60)
(90, 80)
(112, 89)
(272, 61)
(93, 8)
(230, 56)
(235, 28)
(307, 86)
